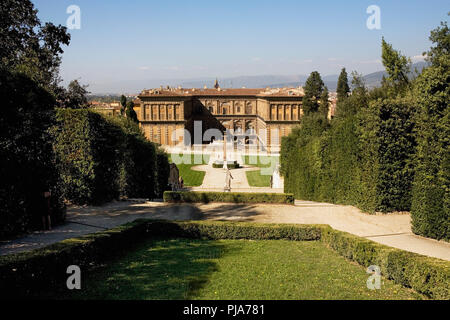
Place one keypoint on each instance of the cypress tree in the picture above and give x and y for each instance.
(314, 87)
(324, 103)
(123, 103)
(343, 88)
(397, 65)
(130, 113)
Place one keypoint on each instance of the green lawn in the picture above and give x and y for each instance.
(234, 269)
(258, 178)
(190, 177)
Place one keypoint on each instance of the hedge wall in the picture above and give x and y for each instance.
(430, 211)
(163, 165)
(34, 273)
(137, 161)
(387, 146)
(387, 150)
(228, 197)
(363, 158)
(104, 158)
(26, 156)
(87, 148)
(31, 274)
(426, 275)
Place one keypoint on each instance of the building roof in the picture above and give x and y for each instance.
(259, 92)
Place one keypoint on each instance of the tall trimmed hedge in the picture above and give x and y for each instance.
(388, 149)
(365, 157)
(104, 158)
(163, 165)
(87, 147)
(387, 146)
(430, 211)
(26, 156)
(137, 161)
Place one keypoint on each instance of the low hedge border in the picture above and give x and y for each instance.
(228, 197)
(229, 165)
(27, 274)
(30, 273)
(426, 275)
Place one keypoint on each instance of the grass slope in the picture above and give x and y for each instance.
(234, 269)
(190, 177)
(256, 178)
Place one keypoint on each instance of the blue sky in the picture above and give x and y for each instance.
(137, 40)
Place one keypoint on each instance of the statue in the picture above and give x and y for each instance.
(228, 178)
(275, 180)
(174, 177)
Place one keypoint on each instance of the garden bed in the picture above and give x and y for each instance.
(234, 269)
(42, 272)
(228, 197)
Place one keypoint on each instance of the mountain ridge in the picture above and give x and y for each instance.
(261, 81)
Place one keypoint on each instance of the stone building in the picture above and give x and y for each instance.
(268, 114)
(108, 109)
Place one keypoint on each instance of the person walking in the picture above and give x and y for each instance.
(228, 178)
(181, 183)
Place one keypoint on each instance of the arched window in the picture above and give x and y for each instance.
(248, 108)
(224, 110)
(211, 109)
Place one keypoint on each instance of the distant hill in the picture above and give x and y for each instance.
(371, 80)
(374, 79)
(262, 81)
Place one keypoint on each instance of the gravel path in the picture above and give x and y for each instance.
(215, 180)
(215, 177)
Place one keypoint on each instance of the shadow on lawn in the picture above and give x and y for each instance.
(158, 270)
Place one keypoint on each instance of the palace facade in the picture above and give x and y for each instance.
(268, 114)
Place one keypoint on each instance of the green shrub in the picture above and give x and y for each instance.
(31, 274)
(26, 156)
(102, 158)
(387, 150)
(234, 165)
(430, 213)
(251, 231)
(87, 148)
(137, 161)
(228, 197)
(426, 275)
(365, 157)
(162, 173)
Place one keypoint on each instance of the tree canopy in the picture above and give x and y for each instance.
(30, 47)
(343, 88)
(130, 113)
(397, 65)
(75, 96)
(314, 88)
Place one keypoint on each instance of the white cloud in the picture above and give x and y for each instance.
(418, 58)
(256, 59)
(144, 68)
(377, 61)
(332, 59)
